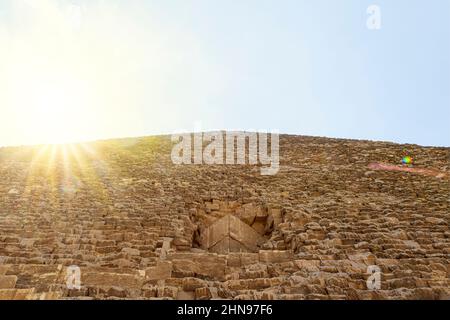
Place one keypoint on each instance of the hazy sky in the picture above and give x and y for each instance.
(81, 70)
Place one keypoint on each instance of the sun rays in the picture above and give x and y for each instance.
(57, 179)
(60, 173)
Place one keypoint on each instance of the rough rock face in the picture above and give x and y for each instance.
(138, 226)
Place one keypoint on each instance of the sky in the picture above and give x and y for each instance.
(77, 70)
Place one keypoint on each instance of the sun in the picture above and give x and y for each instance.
(73, 73)
(54, 110)
(58, 110)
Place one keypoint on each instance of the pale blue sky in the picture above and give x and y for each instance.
(301, 67)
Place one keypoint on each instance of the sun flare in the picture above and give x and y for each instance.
(63, 83)
(54, 111)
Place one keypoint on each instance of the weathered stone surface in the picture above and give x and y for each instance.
(275, 256)
(111, 279)
(308, 265)
(162, 271)
(209, 266)
(206, 293)
(138, 226)
(16, 294)
(230, 234)
(8, 282)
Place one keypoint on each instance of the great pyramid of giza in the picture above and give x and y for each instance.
(129, 223)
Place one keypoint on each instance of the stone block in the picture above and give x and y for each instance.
(16, 294)
(111, 279)
(186, 295)
(248, 258)
(131, 251)
(308, 265)
(201, 265)
(162, 271)
(8, 282)
(206, 293)
(3, 269)
(234, 259)
(191, 284)
(275, 256)
(230, 234)
(365, 257)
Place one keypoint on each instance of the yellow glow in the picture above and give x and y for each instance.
(69, 73)
(53, 111)
(72, 72)
(47, 181)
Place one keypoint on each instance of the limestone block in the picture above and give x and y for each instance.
(162, 271)
(203, 265)
(244, 234)
(277, 216)
(131, 251)
(248, 258)
(191, 284)
(111, 279)
(3, 269)
(233, 259)
(16, 294)
(166, 291)
(275, 256)
(433, 220)
(47, 296)
(366, 257)
(308, 265)
(186, 295)
(184, 268)
(247, 214)
(8, 282)
(206, 293)
(259, 226)
(230, 234)
(211, 267)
